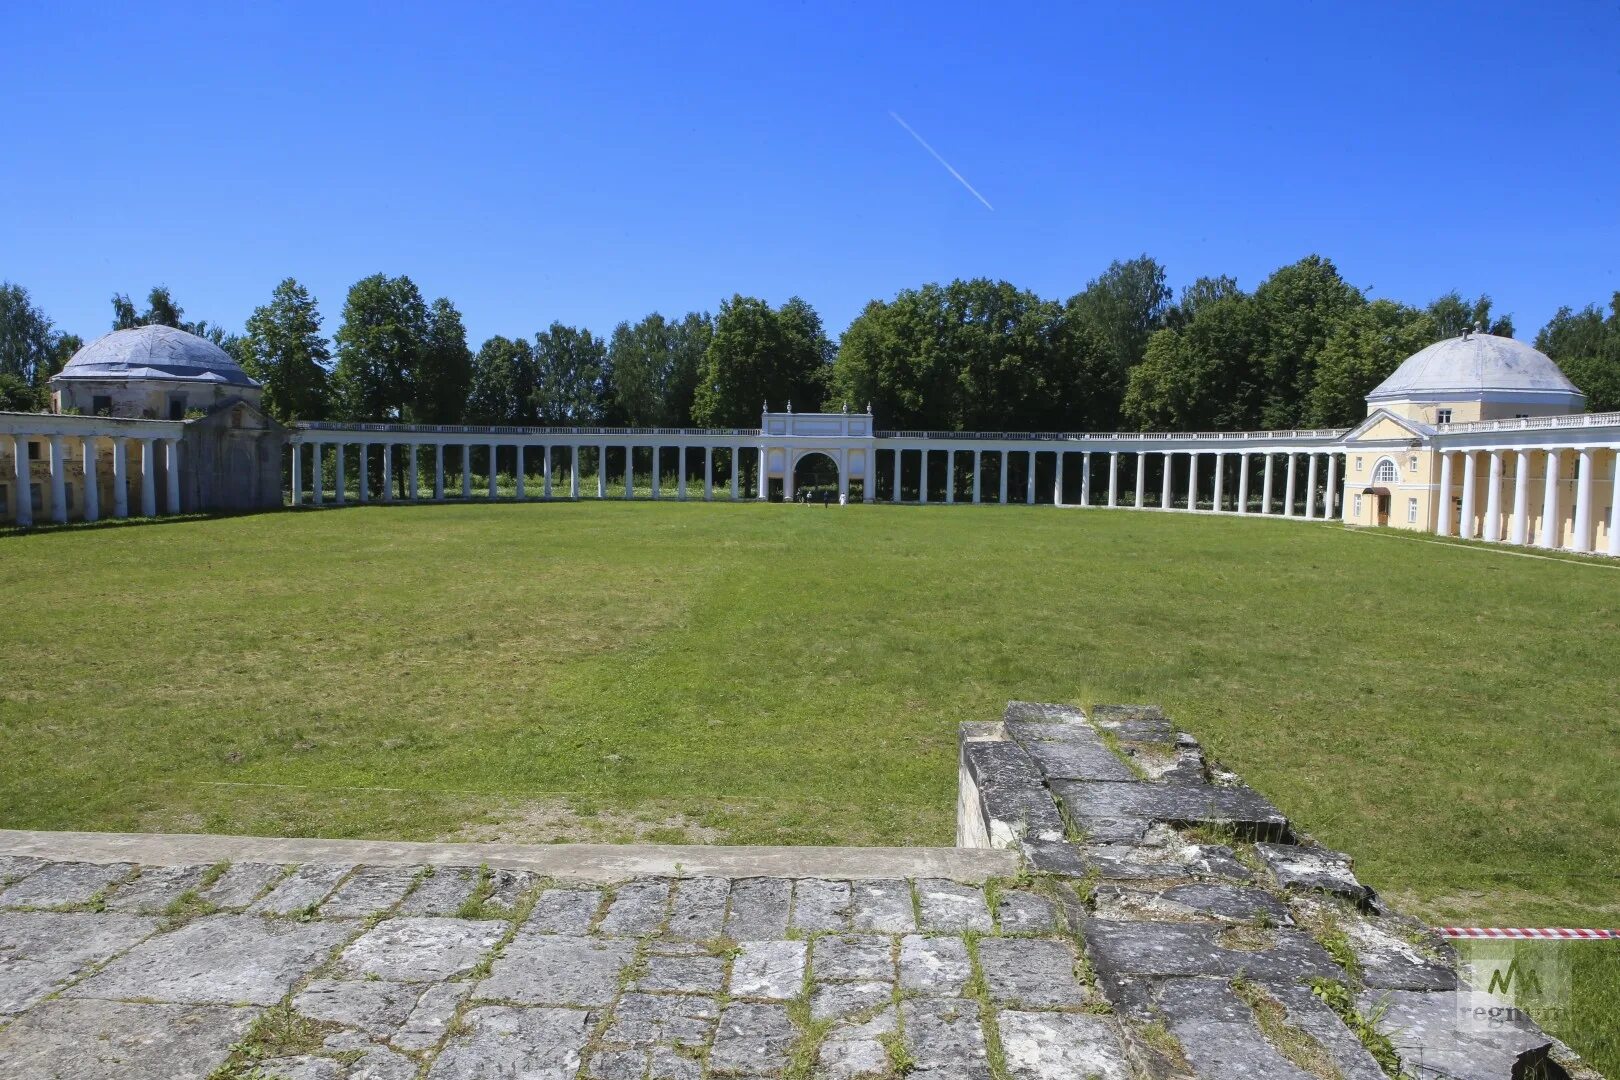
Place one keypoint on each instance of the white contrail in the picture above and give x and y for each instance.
(959, 178)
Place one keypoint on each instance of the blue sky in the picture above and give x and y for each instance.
(590, 164)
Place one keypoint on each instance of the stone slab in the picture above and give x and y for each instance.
(15, 867)
(1012, 800)
(1199, 900)
(836, 1000)
(64, 883)
(638, 908)
(769, 970)
(550, 969)
(302, 890)
(241, 884)
(1025, 913)
(699, 911)
(759, 909)
(156, 888)
(567, 911)
(218, 960)
(371, 1005)
(503, 1042)
(368, 891)
(1415, 1019)
(1031, 972)
(1306, 869)
(1037, 712)
(1174, 803)
(948, 907)
(882, 906)
(1079, 759)
(644, 1020)
(431, 1017)
(509, 888)
(420, 948)
(442, 892)
(752, 1040)
(856, 1049)
(106, 1039)
(1120, 950)
(820, 905)
(853, 959)
(934, 965)
(1218, 1033)
(41, 951)
(1061, 1046)
(945, 1039)
(682, 974)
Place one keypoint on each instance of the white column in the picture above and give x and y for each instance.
(1519, 529)
(466, 470)
(657, 469)
(978, 460)
(1265, 486)
(1493, 498)
(317, 479)
(92, 481)
(764, 480)
(148, 480)
(1243, 483)
(1465, 527)
(493, 462)
(680, 479)
(438, 472)
(1057, 479)
(520, 470)
(1583, 502)
(1085, 477)
(573, 470)
(1288, 486)
(1551, 526)
(171, 469)
(601, 471)
(545, 462)
(120, 478)
(413, 450)
(1192, 480)
(59, 480)
(1141, 479)
(736, 474)
(1003, 478)
(708, 474)
(1331, 492)
(1310, 486)
(1029, 484)
(1169, 471)
(1614, 508)
(629, 472)
(24, 485)
(950, 476)
(365, 453)
(1442, 500)
(788, 466)
(1113, 478)
(843, 478)
(388, 472)
(897, 462)
(297, 474)
(1220, 482)
(922, 476)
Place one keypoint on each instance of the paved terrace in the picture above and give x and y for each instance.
(1120, 909)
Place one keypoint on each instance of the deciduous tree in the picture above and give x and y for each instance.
(284, 349)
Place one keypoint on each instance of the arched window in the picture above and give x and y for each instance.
(1386, 472)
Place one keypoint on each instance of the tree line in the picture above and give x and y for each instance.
(1302, 349)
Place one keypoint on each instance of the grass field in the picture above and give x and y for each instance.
(783, 674)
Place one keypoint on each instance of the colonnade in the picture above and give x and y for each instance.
(548, 456)
(1520, 507)
(55, 450)
(1295, 472)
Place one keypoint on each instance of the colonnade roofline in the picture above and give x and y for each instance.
(75, 425)
(1533, 423)
(1319, 434)
(507, 429)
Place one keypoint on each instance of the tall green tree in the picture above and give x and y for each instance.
(570, 376)
(384, 332)
(284, 349)
(653, 368)
(1586, 346)
(28, 344)
(1202, 371)
(1362, 350)
(757, 355)
(504, 381)
(440, 379)
(1299, 305)
(1451, 315)
(1122, 307)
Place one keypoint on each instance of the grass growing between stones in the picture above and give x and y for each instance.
(795, 675)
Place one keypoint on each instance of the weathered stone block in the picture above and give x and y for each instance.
(1032, 712)
(771, 970)
(834, 1000)
(950, 907)
(668, 1019)
(1218, 1033)
(1026, 913)
(550, 969)
(1031, 972)
(421, 948)
(638, 908)
(1514, 1047)
(42, 950)
(1222, 903)
(503, 1042)
(14, 867)
(509, 888)
(371, 1005)
(241, 884)
(856, 1049)
(156, 888)
(68, 1038)
(302, 890)
(853, 959)
(883, 906)
(1083, 757)
(683, 974)
(945, 1039)
(820, 905)
(61, 884)
(759, 909)
(1121, 950)
(442, 892)
(753, 1040)
(369, 890)
(699, 912)
(427, 1023)
(1174, 803)
(1013, 802)
(570, 911)
(934, 965)
(1059, 1046)
(1307, 869)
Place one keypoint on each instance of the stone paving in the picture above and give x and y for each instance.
(1168, 922)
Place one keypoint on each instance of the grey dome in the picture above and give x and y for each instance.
(1479, 366)
(155, 352)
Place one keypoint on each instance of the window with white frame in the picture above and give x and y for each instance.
(1442, 416)
(1358, 463)
(1356, 502)
(1412, 463)
(1385, 472)
(1411, 511)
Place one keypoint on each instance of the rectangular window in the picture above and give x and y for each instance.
(33, 450)
(1413, 463)
(101, 405)
(1411, 511)
(36, 498)
(1521, 416)
(1358, 463)
(1357, 503)
(1442, 416)
(177, 406)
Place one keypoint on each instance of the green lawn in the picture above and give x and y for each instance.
(780, 674)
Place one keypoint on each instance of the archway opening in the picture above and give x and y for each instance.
(815, 478)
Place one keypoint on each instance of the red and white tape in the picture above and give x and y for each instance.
(1556, 933)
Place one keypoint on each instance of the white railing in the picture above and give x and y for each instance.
(1321, 434)
(1533, 423)
(471, 429)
